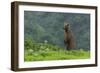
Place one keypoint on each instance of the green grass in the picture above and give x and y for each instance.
(44, 51)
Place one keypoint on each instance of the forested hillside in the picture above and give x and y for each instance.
(47, 27)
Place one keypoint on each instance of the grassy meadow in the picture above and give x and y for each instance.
(45, 51)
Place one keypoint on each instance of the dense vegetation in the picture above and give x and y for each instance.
(44, 51)
(56, 55)
(46, 29)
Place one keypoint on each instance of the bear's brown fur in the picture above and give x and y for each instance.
(68, 37)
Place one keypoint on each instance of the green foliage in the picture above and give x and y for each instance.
(45, 51)
(57, 55)
(28, 43)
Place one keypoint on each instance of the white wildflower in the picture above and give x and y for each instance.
(45, 41)
(31, 50)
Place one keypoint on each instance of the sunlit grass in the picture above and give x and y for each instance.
(42, 52)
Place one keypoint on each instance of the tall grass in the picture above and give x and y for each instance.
(44, 51)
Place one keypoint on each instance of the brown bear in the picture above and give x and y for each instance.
(68, 37)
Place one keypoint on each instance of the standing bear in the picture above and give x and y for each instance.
(68, 37)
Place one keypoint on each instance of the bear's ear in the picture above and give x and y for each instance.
(68, 25)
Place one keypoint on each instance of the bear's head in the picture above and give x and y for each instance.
(66, 26)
